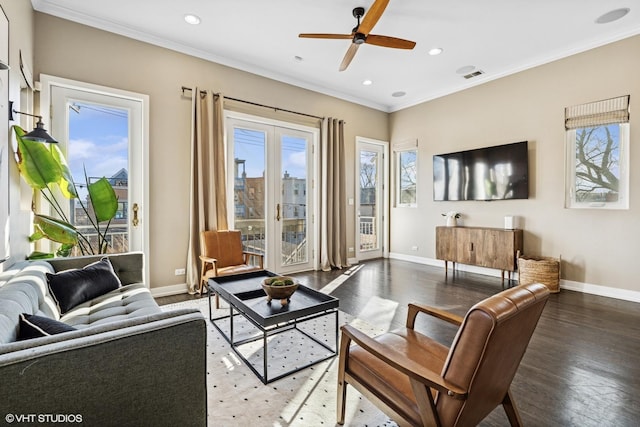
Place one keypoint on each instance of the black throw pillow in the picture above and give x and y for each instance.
(73, 287)
(32, 326)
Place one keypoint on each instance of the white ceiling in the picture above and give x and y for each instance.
(499, 37)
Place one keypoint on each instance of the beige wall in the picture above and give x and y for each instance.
(77, 52)
(600, 247)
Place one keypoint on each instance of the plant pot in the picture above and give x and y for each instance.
(451, 221)
(283, 293)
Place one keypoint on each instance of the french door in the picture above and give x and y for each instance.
(271, 165)
(371, 200)
(102, 131)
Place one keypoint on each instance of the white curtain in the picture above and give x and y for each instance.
(208, 201)
(333, 227)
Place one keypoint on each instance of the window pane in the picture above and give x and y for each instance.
(368, 209)
(294, 200)
(248, 179)
(407, 170)
(597, 164)
(99, 146)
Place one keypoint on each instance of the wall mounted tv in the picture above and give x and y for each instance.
(492, 173)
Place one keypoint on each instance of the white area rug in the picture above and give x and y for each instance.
(236, 397)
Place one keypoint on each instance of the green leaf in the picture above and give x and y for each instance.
(103, 199)
(64, 250)
(55, 229)
(40, 255)
(67, 187)
(35, 162)
(37, 235)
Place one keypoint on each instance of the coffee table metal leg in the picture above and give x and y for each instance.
(264, 360)
(231, 324)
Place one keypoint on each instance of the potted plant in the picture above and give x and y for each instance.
(452, 218)
(44, 168)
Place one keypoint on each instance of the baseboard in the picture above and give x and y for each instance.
(570, 285)
(603, 291)
(165, 291)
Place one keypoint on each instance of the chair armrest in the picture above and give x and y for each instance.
(208, 259)
(255, 254)
(414, 309)
(399, 361)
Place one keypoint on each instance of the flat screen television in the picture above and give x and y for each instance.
(492, 173)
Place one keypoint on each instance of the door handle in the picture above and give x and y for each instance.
(278, 212)
(135, 220)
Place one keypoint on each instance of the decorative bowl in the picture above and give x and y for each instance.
(279, 287)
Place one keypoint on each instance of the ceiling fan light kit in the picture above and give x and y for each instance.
(360, 34)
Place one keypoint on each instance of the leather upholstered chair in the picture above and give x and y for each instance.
(419, 382)
(223, 255)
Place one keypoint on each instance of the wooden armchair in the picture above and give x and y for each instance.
(223, 255)
(419, 382)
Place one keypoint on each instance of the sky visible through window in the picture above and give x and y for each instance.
(249, 146)
(98, 141)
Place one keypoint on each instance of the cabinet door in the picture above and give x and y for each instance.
(499, 249)
(468, 245)
(494, 246)
(446, 243)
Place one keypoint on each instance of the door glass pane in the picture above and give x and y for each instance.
(293, 211)
(249, 187)
(369, 171)
(99, 145)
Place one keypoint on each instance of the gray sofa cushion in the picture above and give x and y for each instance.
(123, 303)
(23, 289)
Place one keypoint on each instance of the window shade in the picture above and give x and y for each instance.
(608, 111)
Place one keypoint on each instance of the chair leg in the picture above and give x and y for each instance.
(217, 299)
(345, 342)
(511, 410)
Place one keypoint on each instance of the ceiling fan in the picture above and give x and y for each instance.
(360, 33)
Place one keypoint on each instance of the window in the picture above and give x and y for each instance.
(406, 177)
(598, 154)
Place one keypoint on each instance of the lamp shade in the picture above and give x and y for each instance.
(39, 133)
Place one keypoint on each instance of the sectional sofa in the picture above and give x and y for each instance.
(121, 359)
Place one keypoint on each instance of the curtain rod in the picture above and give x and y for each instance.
(257, 105)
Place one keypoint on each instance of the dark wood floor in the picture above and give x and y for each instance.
(582, 367)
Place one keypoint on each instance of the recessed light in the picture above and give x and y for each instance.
(192, 19)
(466, 69)
(435, 51)
(613, 15)
(367, 82)
(398, 94)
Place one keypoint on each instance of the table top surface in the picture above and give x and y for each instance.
(244, 292)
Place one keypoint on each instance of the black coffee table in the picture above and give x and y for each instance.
(245, 296)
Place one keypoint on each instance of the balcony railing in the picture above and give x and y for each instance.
(368, 233)
(294, 239)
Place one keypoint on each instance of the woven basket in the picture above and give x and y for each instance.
(543, 270)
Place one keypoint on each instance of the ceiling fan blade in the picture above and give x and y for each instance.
(324, 36)
(372, 16)
(351, 52)
(387, 41)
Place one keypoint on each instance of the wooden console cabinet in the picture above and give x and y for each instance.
(484, 247)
